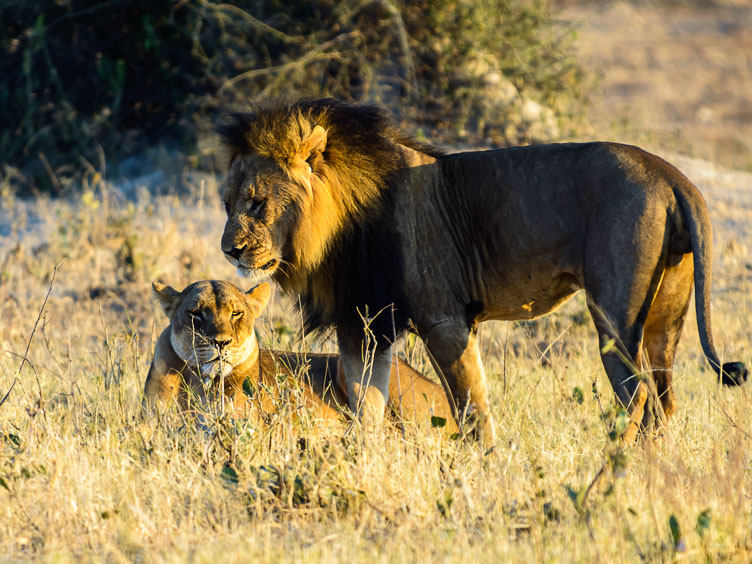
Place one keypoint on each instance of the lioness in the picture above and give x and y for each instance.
(212, 330)
(339, 207)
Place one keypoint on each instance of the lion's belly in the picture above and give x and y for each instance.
(529, 299)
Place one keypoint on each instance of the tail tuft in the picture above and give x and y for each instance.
(734, 374)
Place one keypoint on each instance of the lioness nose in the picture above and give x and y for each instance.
(220, 342)
(235, 252)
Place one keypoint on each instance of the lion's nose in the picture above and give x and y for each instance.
(235, 252)
(220, 343)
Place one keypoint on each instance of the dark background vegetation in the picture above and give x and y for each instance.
(85, 84)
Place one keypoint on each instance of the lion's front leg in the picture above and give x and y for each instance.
(163, 382)
(367, 375)
(455, 356)
(161, 387)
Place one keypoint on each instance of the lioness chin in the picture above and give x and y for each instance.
(359, 221)
(211, 332)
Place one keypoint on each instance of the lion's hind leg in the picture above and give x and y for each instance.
(621, 282)
(664, 325)
(622, 359)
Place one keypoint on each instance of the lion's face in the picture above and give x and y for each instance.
(212, 323)
(261, 205)
(264, 198)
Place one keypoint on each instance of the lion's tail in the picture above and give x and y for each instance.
(696, 215)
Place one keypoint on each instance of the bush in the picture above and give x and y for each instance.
(80, 79)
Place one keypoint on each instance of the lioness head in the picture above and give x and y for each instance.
(211, 323)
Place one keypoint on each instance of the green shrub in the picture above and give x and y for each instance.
(124, 75)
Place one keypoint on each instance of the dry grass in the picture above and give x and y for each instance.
(81, 477)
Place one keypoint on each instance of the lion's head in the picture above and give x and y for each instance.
(211, 323)
(265, 199)
(303, 179)
(298, 174)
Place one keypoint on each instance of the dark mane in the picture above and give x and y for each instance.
(361, 265)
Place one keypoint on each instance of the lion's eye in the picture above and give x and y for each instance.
(237, 315)
(196, 314)
(255, 207)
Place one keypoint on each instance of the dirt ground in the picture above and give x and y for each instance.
(673, 77)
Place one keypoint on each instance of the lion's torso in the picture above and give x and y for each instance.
(509, 230)
(500, 234)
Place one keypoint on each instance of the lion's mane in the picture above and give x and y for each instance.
(356, 261)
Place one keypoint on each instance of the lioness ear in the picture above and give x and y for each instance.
(167, 297)
(258, 297)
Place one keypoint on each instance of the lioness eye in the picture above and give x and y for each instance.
(237, 314)
(195, 314)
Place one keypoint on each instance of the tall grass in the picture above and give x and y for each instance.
(83, 477)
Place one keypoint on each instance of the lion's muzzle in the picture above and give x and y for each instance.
(247, 262)
(235, 252)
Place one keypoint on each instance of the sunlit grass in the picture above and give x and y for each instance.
(83, 477)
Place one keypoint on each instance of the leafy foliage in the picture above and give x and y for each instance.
(81, 79)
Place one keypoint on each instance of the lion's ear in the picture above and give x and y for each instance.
(307, 162)
(167, 297)
(314, 145)
(258, 297)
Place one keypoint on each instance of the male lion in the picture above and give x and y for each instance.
(212, 330)
(360, 221)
